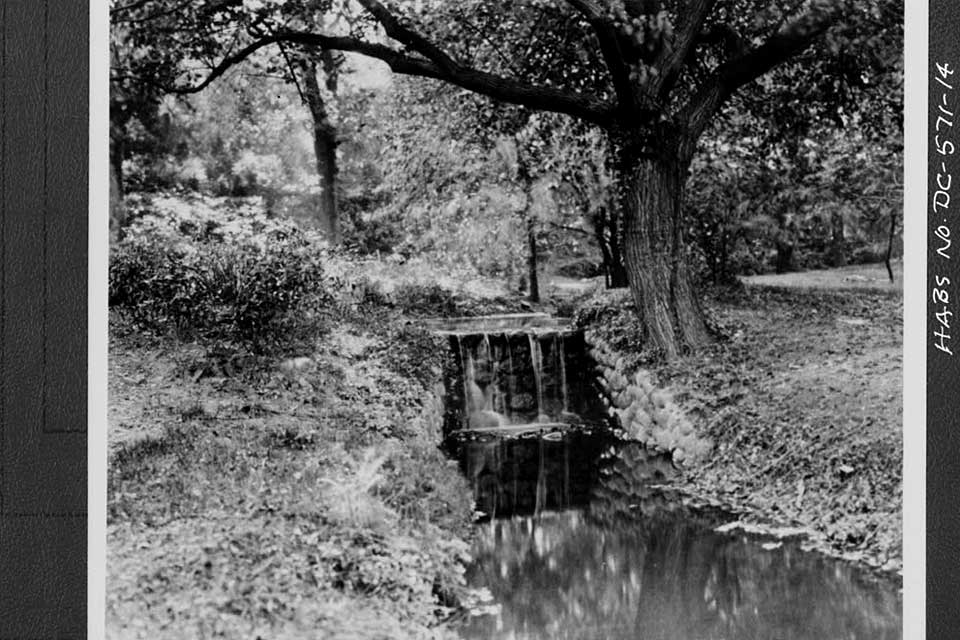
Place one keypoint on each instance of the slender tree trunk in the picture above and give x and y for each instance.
(607, 263)
(532, 261)
(784, 255)
(893, 233)
(723, 268)
(325, 146)
(598, 220)
(618, 269)
(656, 261)
(609, 236)
(838, 248)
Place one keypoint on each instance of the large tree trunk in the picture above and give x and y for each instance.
(325, 146)
(656, 261)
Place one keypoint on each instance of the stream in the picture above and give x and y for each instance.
(581, 536)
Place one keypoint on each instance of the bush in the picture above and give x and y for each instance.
(241, 286)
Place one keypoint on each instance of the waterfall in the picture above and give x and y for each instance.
(512, 379)
(473, 397)
(562, 365)
(493, 396)
(463, 370)
(536, 358)
(504, 387)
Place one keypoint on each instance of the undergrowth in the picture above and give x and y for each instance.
(294, 490)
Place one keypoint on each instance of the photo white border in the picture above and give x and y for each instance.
(914, 318)
(97, 264)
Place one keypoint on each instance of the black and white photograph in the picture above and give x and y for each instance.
(520, 320)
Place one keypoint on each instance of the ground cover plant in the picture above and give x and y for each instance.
(280, 501)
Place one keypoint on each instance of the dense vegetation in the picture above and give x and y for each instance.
(653, 79)
(296, 185)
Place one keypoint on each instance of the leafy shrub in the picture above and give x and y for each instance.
(235, 280)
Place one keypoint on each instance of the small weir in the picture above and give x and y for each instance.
(512, 377)
(580, 535)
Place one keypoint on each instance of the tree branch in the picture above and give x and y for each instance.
(293, 72)
(728, 77)
(612, 53)
(733, 41)
(493, 86)
(407, 36)
(672, 59)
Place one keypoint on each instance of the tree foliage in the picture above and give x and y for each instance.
(653, 75)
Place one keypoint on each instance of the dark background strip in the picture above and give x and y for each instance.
(943, 369)
(44, 52)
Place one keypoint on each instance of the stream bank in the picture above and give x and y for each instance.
(306, 495)
(588, 527)
(801, 401)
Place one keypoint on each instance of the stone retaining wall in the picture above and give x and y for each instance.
(645, 412)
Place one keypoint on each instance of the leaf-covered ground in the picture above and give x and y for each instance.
(803, 404)
(263, 497)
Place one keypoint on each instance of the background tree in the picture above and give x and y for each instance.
(152, 41)
(325, 139)
(581, 156)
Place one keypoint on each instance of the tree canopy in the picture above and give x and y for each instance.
(651, 75)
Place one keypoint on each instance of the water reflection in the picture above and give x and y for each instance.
(529, 475)
(586, 546)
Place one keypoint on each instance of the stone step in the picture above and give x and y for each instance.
(496, 323)
(517, 429)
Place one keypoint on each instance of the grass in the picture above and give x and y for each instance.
(859, 277)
